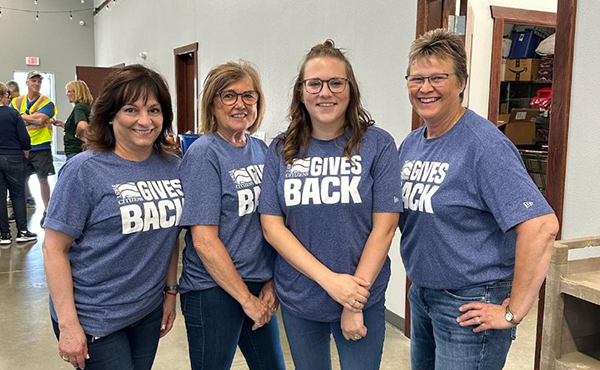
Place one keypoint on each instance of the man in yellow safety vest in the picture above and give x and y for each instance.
(37, 111)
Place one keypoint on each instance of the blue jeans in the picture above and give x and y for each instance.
(131, 348)
(310, 341)
(216, 324)
(439, 342)
(13, 172)
(70, 155)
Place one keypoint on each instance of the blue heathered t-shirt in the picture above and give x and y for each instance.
(463, 193)
(222, 186)
(328, 203)
(124, 217)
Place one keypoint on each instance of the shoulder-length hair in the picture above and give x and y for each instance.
(217, 80)
(125, 86)
(81, 91)
(297, 137)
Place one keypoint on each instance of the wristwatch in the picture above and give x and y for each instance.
(510, 317)
(171, 288)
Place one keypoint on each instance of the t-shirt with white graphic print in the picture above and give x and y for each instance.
(222, 187)
(463, 193)
(328, 201)
(124, 216)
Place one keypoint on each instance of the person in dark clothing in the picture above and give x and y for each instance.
(14, 147)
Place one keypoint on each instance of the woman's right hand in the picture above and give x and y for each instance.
(347, 290)
(72, 345)
(257, 310)
(58, 123)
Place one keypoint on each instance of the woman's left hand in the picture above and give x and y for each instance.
(168, 317)
(352, 323)
(484, 316)
(268, 296)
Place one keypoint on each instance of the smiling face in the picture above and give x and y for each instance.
(136, 127)
(34, 85)
(71, 93)
(435, 104)
(326, 109)
(235, 119)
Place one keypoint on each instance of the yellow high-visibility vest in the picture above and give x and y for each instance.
(39, 134)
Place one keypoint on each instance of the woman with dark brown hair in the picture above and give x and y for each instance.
(329, 205)
(110, 249)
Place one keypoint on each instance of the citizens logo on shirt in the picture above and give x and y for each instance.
(421, 180)
(149, 205)
(327, 180)
(247, 182)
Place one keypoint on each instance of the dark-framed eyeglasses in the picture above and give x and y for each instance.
(314, 85)
(435, 80)
(229, 97)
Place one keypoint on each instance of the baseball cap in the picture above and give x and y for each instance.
(33, 74)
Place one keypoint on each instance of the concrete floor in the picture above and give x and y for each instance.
(27, 340)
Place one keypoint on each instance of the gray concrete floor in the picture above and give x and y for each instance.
(27, 340)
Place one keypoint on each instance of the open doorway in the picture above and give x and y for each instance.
(186, 87)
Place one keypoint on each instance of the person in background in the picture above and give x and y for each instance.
(110, 249)
(37, 111)
(13, 89)
(228, 299)
(476, 231)
(15, 92)
(14, 149)
(80, 96)
(329, 205)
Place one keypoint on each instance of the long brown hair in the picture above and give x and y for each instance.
(296, 139)
(125, 86)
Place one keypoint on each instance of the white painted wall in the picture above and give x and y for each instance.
(275, 35)
(581, 214)
(483, 26)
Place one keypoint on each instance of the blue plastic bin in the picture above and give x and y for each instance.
(186, 140)
(524, 44)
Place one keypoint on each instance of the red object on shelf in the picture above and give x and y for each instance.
(543, 99)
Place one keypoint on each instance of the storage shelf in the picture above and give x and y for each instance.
(585, 286)
(576, 361)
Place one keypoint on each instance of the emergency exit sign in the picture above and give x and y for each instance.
(32, 61)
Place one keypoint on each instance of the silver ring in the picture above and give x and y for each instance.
(259, 325)
(357, 337)
(65, 357)
(478, 320)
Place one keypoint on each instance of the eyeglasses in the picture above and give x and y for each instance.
(315, 85)
(230, 97)
(436, 80)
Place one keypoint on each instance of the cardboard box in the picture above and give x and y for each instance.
(522, 69)
(520, 128)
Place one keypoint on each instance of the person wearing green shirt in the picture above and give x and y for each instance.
(79, 95)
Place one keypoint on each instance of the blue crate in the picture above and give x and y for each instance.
(524, 44)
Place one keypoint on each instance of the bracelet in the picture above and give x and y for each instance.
(171, 292)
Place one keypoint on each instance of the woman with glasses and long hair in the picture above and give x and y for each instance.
(227, 294)
(475, 228)
(329, 206)
(80, 96)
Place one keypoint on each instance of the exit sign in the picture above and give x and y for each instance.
(32, 61)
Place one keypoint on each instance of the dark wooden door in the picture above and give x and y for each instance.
(93, 77)
(186, 87)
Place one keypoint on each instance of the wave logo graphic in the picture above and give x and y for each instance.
(127, 190)
(407, 169)
(241, 176)
(300, 167)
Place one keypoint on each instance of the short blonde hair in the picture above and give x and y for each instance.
(82, 92)
(441, 44)
(219, 78)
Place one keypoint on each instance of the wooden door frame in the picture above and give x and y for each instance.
(187, 49)
(564, 23)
